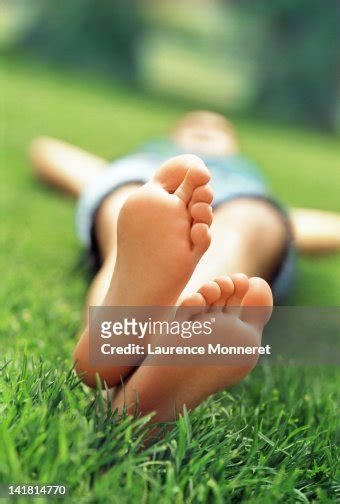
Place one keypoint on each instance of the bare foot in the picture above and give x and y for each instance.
(167, 389)
(163, 231)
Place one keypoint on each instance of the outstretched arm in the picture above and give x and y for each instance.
(316, 231)
(72, 169)
(64, 166)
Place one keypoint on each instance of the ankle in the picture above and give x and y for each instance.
(259, 233)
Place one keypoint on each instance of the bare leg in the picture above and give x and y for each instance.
(316, 231)
(71, 170)
(236, 247)
(64, 166)
(248, 236)
(106, 234)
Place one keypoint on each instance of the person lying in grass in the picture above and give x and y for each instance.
(148, 225)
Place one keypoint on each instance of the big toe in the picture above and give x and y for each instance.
(182, 174)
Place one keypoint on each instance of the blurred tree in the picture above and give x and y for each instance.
(101, 34)
(298, 66)
(278, 57)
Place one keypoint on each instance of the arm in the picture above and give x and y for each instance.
(316, 231)
(64, 166)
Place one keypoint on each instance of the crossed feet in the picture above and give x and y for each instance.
(163, 231)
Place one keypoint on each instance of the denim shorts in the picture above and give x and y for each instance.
(233, 177)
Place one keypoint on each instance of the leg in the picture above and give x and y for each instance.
(71, 169)
(316, 231)
(248, 236)
(106, 234)
(235, 247)
(64, 166)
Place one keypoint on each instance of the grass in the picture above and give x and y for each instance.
(270, 439)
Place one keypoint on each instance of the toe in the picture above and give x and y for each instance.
(211, 292)
(241, 284)
(202, 194)
(202, 212)
(257, 304)
(196, 299)
(191, 306)
(173, 172)
(200, 237)
(227, 289)
(197, 174)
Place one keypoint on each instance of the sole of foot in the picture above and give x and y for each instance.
(166, 389)
(163, 231)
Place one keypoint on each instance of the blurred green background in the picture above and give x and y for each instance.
(275, 58)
